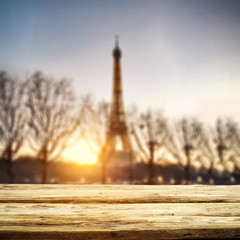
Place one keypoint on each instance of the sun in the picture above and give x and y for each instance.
(80, 153)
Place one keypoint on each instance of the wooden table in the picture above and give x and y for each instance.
(119, 212)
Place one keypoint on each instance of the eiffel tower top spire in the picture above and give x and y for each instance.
(117, 109)
(117, 51)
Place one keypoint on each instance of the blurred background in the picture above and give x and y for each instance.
(180, 91)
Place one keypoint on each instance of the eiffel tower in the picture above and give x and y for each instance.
(117, 128)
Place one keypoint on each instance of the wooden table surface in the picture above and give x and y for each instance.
(119, 212)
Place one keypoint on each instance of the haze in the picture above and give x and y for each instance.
(180, 56)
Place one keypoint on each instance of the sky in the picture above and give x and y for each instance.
(180, 56)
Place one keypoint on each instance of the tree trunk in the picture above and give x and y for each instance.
(220, 149)
(186, 174)
(44, 171)
(9, 166)
(151, 164)
(44, 167)
(187, 167)
(9, 171)
(102, 159)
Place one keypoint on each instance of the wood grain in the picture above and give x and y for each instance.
(119, 212)
(118, 193)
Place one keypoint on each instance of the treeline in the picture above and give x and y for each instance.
(28, 170)
(40, 112)
(189, 143)
(43, 114)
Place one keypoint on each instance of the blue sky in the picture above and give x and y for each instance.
(180, 56)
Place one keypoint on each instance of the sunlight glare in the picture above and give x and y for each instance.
(80, 153)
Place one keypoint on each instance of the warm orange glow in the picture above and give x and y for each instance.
(80, 153)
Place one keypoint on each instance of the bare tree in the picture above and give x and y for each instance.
(149, 135)
(95, 126)
(226, 140)
(221, 139)
(12, 119)
(233, 145)
(53, 118)
(208, 154)
(219, 146)
(183, 141)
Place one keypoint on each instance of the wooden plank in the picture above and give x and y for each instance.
(119, 212)
(128, 221)
(123, 235)
(117, 194)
